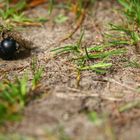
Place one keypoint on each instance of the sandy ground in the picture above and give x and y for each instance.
(62, 111)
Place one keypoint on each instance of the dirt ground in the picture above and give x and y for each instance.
(61, 113)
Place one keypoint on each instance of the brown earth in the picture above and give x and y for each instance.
(62, 111)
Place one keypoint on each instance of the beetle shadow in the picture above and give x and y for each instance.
(25, 51)
(23, 54)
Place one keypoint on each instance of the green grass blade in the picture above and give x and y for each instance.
(100, 65)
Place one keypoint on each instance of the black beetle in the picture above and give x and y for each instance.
(13, 45)
(8, 47)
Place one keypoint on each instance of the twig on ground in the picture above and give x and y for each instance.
(80, 95)
(74, 93)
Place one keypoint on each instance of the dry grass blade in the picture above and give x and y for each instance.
(120, 84)
(129, 106)
(35, 3)
(28, 24)
(79, 23)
